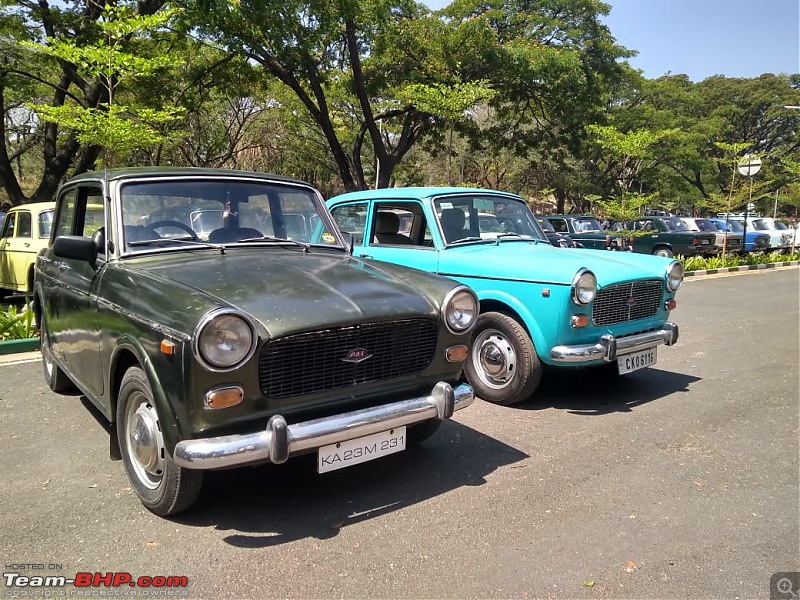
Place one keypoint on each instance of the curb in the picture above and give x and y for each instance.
(788, 263)
(17, 346)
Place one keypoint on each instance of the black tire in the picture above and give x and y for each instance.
(419, 433)
(162, 486)
(663, 251)
(502, 366)
(56, 379)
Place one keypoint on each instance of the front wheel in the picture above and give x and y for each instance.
(162, 486)
(502, 366)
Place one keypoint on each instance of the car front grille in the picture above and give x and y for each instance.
(627, 301)
(338, 358)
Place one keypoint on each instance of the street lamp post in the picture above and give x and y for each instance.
(749, 167)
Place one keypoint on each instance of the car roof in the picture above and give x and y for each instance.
(112, 174)
(34, 206)
(419, 192)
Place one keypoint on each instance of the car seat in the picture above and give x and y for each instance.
(387, 225)
(453, 221)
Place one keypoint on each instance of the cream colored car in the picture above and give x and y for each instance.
(25, 232)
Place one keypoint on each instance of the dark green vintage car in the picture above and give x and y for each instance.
(249, 346)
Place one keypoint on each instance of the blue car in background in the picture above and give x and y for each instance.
(540, 305)
(754, 240)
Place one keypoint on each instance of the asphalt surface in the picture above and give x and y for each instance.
(678, 481)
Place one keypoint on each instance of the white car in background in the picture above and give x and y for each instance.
(780, 236)
(734, 242)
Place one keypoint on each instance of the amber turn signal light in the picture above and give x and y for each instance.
(224, 397)
(580, 320)
(456, 353)
(670, 304)
(167, 348)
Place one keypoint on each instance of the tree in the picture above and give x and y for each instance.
(27, 76)
(117, 128)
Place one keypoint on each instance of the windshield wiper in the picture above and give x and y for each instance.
(175, 240)
(266, 238)
(471, 239)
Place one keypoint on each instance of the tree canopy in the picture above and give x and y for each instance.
(532, 97)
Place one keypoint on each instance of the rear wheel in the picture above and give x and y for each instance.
(162, 486)
(55, 377)
(663, 251)
(502, 366)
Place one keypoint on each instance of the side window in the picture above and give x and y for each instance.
(351, 219)
(81, 211)
(398, 224)
(8, 226)
(23, 224)
(65, 214)
(94, 213)
(45, 223)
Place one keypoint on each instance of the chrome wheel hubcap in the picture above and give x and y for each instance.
(145, 443)
(495, 359)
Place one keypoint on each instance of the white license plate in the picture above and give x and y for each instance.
(359, 450)
(636, 360)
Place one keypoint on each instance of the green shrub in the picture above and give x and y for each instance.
(700, 263)
(17, 324)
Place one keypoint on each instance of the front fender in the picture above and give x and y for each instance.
(490, 297)
(129, 351)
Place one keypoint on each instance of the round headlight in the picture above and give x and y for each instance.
(460, 309)
(224, 340)
(674, 276)
(584, 287)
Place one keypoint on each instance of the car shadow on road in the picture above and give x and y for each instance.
(599, 392)
(271, 505)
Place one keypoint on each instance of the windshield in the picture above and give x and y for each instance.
(546, 226)
(584, 224)
(221, 211)
(733, 225)
(464, 217)
(706, 225)
(760, 225)
(676, 224)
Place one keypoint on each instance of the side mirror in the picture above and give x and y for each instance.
(76, 247)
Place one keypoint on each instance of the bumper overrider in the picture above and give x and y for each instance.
(280, 440)
(608, 348)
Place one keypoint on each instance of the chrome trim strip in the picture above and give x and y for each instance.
(609, 348)
(279, 441)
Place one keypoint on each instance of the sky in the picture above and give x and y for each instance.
(702, 38)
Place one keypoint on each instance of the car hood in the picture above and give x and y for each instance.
(292, 291)
(542, 262)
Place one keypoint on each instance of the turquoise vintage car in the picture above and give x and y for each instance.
(250, 346)
(540, 305)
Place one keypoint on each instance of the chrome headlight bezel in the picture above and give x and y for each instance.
(674, 276)
(212, 353)
(460, 309)
(584, 287)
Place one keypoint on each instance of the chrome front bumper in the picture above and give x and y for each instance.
(608, 348)
(280, 440)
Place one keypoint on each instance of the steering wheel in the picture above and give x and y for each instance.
(176, 225)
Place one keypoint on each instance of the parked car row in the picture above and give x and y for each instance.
(668, 235)
(350, 338)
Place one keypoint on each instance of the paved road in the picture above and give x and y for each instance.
(680, 481)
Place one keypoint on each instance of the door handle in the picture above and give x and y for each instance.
(364, 256)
